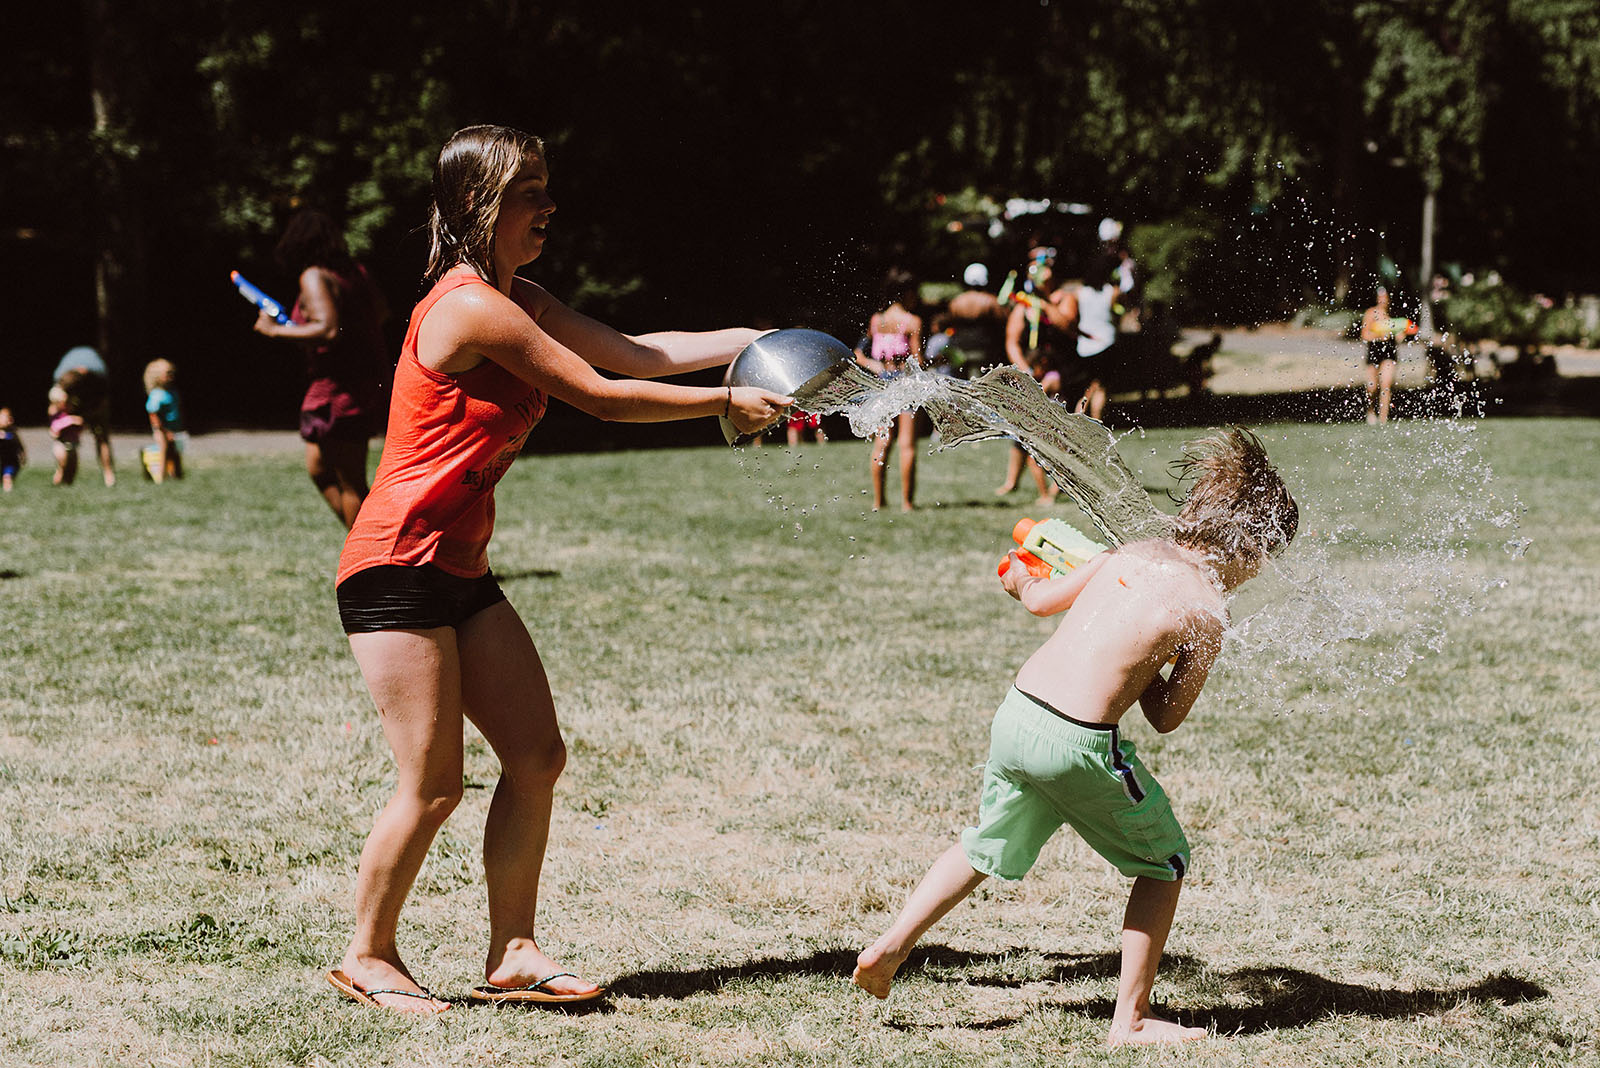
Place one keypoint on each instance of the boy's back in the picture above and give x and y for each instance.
(1131, 610)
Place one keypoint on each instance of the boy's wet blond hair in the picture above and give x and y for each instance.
(1238, 506)
(156, 372)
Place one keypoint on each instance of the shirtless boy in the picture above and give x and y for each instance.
(1057, 754)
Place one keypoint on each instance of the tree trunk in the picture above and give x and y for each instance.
(1429, 201)
(119, 261)
(1347, 149)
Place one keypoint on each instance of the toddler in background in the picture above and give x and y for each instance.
(12, 453)
(164, 459)
(66, 427)
(1057, 754)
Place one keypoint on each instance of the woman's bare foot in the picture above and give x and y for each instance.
(1152, 1031)
(523, 963)
(1003, 491)
(907, 506)
(375, 973)
(875, 969)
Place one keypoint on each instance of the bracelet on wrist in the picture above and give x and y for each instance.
(727, 405)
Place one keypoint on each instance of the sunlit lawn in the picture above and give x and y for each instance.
(775, 705)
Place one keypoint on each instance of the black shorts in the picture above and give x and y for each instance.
(1381, 350)
(400, 597)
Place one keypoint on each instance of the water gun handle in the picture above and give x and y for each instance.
(1036, 567)
(258, 298)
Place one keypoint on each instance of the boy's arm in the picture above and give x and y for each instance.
(1166, 701)
(1047, 596)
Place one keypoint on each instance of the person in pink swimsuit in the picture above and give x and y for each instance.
(894, 340)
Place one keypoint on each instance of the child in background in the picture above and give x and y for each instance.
(66, 427)
(799, 422)
(164, 459)
(12, 453)
(894, 341)
(1057, 754)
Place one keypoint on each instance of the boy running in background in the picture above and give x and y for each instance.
(1056, 752)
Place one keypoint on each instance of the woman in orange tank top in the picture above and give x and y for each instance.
(436, 640)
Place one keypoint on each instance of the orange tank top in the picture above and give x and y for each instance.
(450, 439)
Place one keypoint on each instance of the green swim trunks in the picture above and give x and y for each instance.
(1045, 770)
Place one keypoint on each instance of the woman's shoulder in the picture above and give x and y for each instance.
(531, 297)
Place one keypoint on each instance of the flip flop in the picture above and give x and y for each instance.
(533, 992)
(349, 988)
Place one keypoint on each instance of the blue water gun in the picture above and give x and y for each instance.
(258, 298)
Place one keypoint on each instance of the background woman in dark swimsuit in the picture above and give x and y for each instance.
(338, 320)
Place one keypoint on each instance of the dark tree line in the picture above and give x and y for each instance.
(719, 162)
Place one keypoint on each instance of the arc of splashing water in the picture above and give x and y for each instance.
(1076, 451)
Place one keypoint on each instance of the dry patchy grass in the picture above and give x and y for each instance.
(776, 706)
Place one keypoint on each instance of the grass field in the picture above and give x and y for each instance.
(775, 707)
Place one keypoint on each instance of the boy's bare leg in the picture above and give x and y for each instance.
(946, 885)
(1144, 934)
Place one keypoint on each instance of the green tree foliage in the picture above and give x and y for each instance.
(716, 162)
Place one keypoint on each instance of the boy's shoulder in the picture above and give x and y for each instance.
(1176, 573)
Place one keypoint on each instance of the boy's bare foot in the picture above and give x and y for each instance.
(374, 973)
(1152, 1031)
(523, 963)
(875, 969)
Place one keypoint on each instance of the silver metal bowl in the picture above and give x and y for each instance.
(797, 363)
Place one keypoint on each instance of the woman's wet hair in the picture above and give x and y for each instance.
(312, 239)
(1238, 505)
(469, 180)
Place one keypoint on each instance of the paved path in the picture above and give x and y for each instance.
(1278, 359)
(126, 446)
(1271, 359)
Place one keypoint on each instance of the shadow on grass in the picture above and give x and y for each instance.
(7, 573)
(1288, 997)
(1275, 998)
(832, 963)
(600, 1006)
(513, 574)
